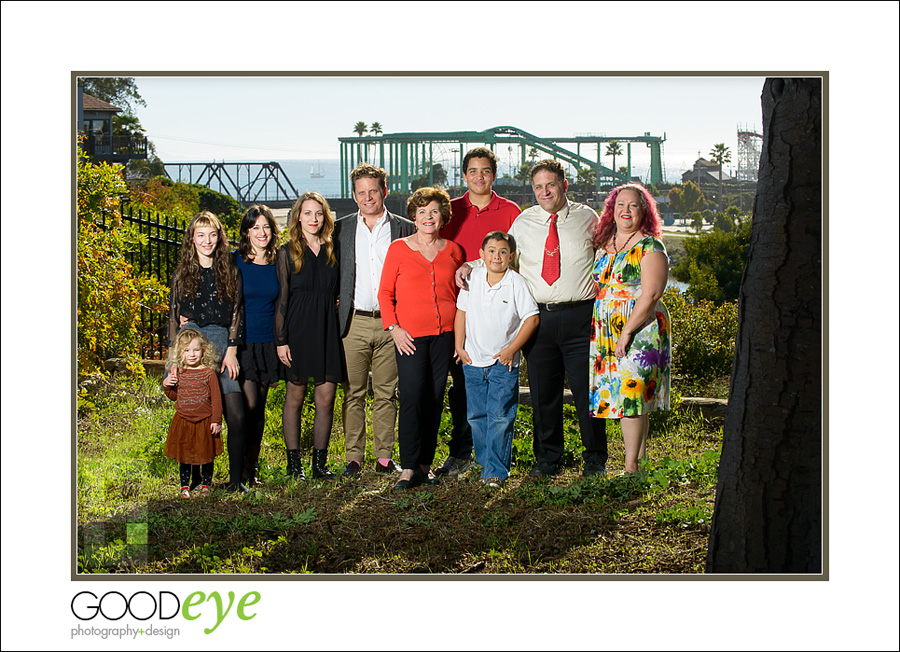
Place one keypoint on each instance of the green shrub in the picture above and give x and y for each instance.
(714, 262)
(697, 221)
(110, 293)
(184, 200)
(724, 223)
(703, 336)
(226, 208)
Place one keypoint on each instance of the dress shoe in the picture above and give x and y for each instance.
(543, 470)
(390, 467)
(404, 485)
(237, 488)
(454, 466)
(353, 470)
(593, 468)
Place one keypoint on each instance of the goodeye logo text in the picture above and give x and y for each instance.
(165, 605)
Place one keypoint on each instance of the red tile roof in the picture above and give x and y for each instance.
(91, 103)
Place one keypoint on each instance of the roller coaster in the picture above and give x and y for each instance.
(407, 155)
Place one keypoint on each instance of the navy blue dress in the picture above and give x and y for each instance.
(258, 359)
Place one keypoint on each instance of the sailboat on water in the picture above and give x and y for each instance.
(315, 171)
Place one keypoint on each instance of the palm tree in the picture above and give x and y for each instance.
(586, 176)
(614, 149)
(360, 128)
(127, 125)
(533, 154)
(523, 174)
(721, 155)
(376, 130)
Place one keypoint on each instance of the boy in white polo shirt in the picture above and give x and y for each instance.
(494, 319)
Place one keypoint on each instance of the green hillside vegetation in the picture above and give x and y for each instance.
(131, 521)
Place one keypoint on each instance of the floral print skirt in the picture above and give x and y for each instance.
(638, 383)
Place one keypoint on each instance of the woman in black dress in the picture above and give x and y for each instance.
(306, 328)
(260, 368)
(206, 292)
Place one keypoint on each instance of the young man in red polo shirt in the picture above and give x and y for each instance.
(475, 214)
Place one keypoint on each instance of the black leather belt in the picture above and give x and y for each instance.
(365, 313)
(551, 307)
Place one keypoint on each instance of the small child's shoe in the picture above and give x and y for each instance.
(204, 491)
(185, 492)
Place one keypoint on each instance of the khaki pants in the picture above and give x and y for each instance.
(367, 345)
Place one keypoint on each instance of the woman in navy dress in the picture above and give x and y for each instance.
(260, 368)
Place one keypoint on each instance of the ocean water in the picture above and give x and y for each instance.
(298, 171)
(329, 186)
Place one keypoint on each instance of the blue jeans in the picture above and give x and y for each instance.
(492, 398)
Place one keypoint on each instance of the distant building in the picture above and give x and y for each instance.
(705, 173)
(95, 122)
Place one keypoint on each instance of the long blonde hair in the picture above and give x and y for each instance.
(298, 242)
(210, 357)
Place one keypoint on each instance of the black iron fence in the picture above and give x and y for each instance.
(157, 258)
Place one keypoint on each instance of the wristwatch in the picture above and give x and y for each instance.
(392, 327)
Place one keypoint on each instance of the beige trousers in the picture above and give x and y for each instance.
(367, 345)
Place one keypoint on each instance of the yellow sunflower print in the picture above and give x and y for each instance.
(632, 387)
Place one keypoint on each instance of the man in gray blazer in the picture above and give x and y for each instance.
(362, 240)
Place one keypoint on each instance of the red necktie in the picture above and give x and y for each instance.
(550, 271)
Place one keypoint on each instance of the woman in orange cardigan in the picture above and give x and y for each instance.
(417, 296)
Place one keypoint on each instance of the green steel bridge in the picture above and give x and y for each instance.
(406, 156)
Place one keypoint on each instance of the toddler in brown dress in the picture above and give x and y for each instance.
(195, 432)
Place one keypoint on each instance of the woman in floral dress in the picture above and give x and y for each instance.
(631, 346)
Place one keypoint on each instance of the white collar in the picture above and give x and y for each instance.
(379, 221)
(561, 214)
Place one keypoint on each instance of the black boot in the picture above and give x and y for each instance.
(295, 465)
(237, 487)
(251, 474)
(320, 469)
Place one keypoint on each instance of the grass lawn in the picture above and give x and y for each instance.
(131, 520)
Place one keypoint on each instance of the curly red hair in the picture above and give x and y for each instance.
(650, 222)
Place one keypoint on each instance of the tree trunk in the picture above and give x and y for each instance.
(768, 513)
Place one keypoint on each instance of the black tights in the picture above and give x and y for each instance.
(202, 474)
(233, 405)
(255, 396)
(293, 411)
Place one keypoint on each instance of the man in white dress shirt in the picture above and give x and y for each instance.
(362, 240)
